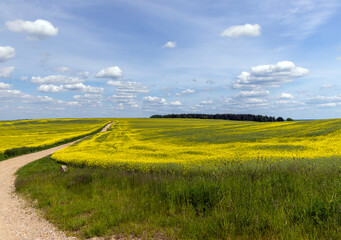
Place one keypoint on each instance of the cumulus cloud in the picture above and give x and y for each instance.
(327, 101)
(286, 96)
(110, 72)
(272, 75)
(175, 103)
(38, 99)
(83, 74)
(6, 53)
(253, 93)
(170, 44)
(5, 72)
(249, 30)
(154, 100)
(256, 101)
(36, 30)
(69, 87)
(124, 100)
(206, 102)
(126, 93)
(51, 79)
(4, 85)
(50, 88)
(329, 104)
(88, 100)
(186, 91)
(128, 86)
(325, 86)
(9, 95)
(24, 78)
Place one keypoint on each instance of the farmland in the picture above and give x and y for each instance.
(22, 136)
(195, 179)
(149, 144)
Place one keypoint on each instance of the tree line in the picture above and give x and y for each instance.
(225, 116)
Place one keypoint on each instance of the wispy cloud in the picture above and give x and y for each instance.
(247, 30)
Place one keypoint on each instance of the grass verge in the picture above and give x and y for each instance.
(296, 200)
(9, 153)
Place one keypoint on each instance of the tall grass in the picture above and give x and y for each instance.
(298, 199)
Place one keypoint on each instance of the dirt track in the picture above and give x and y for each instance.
(18, 221)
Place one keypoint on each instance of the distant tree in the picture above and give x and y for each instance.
(280, 119)
(224, 116)
(289, 119)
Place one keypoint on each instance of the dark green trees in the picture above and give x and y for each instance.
(226, 116)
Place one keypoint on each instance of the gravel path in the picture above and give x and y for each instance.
(17, 220)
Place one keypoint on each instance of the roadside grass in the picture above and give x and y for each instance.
(9, 153)
(298, 199)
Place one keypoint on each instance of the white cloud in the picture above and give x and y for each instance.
(88, 100)
(154, 100)
(83, 74)
(272, 75)
(186, 91)
(325, 86)
(50, 88)
(37, 99)
(206, 102)
(125, 93)
(300, 18)
(255, 101)
(124, 100)
(170, 44)
(83, 88)
(9, 95)
(253, 93)
(325, 101)
(286, 96)
(62, 69)
(127, 86)
(175, 103)
(17, 96)
(69, 87)
(36, 30)
(4, 85)
(250, 30)
(5, 72)
(110, 72)
(6, 53)
(338, 58)
(24, 78)
(328, 104)
(56, 79)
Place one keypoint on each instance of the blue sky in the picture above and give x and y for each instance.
(125, 58)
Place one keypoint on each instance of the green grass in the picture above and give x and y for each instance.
(298, 199)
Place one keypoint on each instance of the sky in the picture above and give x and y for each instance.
(128, 58)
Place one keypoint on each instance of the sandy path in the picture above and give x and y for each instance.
(18, 221)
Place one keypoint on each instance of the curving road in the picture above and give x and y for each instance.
(18, 221)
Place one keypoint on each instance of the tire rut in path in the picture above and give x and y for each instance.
(17, 220)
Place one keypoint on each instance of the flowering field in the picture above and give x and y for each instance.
(147, 144)
(40, 133)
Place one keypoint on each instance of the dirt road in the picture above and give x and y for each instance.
(18, 221)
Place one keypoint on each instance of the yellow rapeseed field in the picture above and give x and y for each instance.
(36, 133)
(145, 144)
